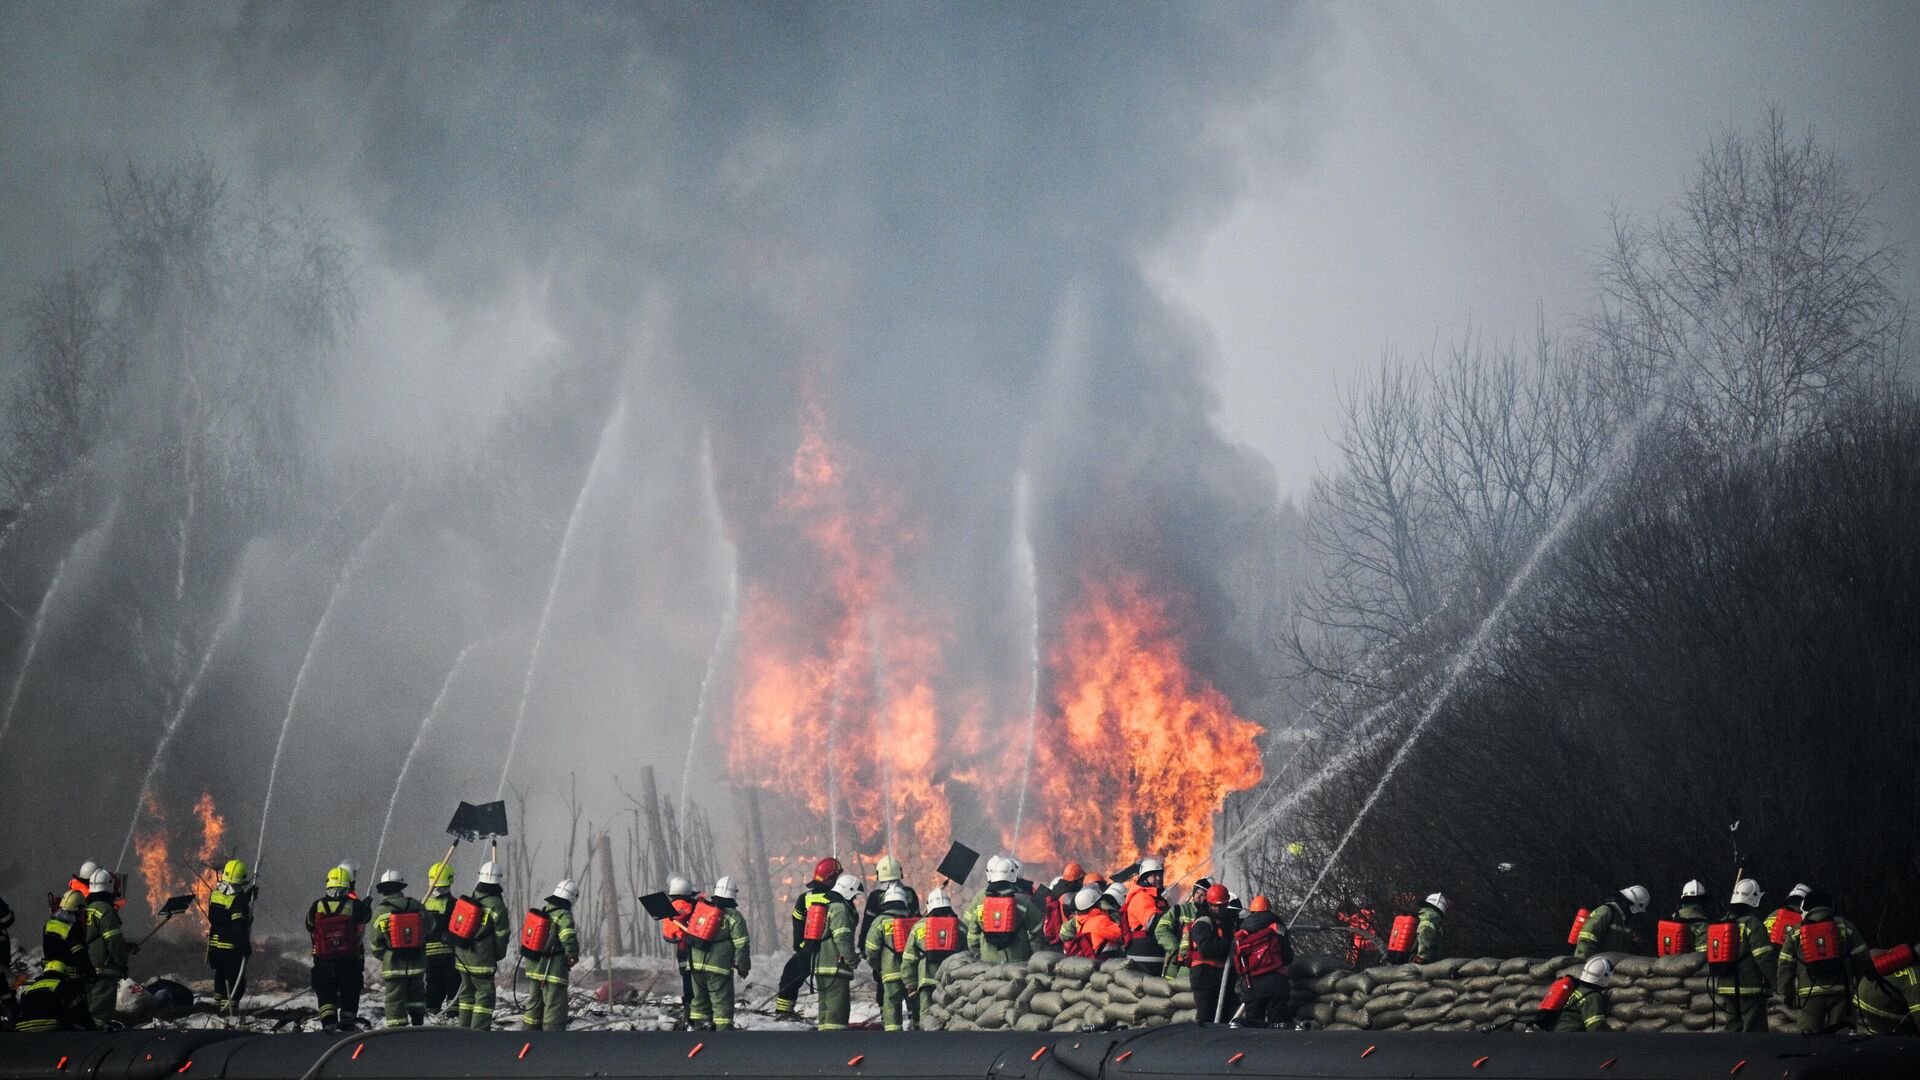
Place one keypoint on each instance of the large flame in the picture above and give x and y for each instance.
(839, 712)
(164, 875)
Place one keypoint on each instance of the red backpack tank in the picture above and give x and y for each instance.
(464, 922)
(1820, 945)
(943, 934)
(902, 930)
(1400, 939)
(1723, 946)
(1671, 938)
(406, 930)
(334, 937)
(1784, 920)
(1056, 917)
(536, 934)
(815, 928)
(1897, 959)
(706, 922)
(1555, 1002)
(1579, 922)
(999, 918)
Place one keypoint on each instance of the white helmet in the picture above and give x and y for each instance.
(568, 890)
(1637, 898)
(352, 868)
(1000, 870)
(888, 869)
(1799, 892)
(724, 889)
(100, 881)
(1086, 899)
(1152, 864)
(1694, 890)
(679, 886)
(86, 871)
(1438, 902)
(392, 877)
(1598, 972)
(847, 887)
(1052, 885)
(895, 895)
(1746, 891)
(1118, 892)
(938, 898)
(489, 873)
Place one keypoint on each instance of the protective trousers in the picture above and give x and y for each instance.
(1742, 1008)
(792, 978)
(103, 993)
(1820, 1013)
(893, 999)
(475, 1000)
(333, 990)
(1206, 995)
(1268, 1001)
(547, 1005)
(836, 1001)
(406, 1000)
(686, 991)
(228, 982)
(443, 981)
(712, 1000)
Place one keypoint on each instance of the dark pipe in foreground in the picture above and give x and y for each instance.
(1175, 1051)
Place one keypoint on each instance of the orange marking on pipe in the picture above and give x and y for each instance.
(185, 1067)
(1037, 1053)
(1124, 1055)
(1608, 1064)
(357, 1049)
(697, 1047)
(855, 1060)
(1737, 1068)
(1368, 1050)
(1481, 1062)
(62, 1064)
(524, 1047)
(1235, 1059)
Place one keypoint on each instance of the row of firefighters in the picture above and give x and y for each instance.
(444, 948)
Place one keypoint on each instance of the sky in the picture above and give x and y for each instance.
(1465, 159)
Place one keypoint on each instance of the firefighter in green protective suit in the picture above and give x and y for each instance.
(477, 958)
(442, 978)
(1692, 913)
(1606, 929)
(719, 948)
(1004, 925)
(57, 1000)
(551, 966)
(935, 937)
(107, 947)
(1889, 999)
(1821, 960)
(885, 948)
(837, 955)
(1740, 960)
(1170, 930)
(1430, 930)
(400, 942)
(1585, 1004)
(230, 933)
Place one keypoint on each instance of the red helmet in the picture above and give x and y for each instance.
(1216, 894)
(826, 869)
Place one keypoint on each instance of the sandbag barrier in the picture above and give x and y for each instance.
(1164, 1051)
(1054, 993)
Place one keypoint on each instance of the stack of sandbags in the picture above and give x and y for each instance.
(1051, 992)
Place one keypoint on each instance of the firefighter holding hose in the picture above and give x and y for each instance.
(551, 945)
(800, 964)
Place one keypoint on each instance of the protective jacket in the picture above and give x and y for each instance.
(1027, 937)
(482, 955)
(1820, 978)
(230, 920)
(403, 962)
(63, 944)
(838, 953)
(1429, 936)
(882, 957)
(438, 905)
(563, 947)
(106, 945)
(1091, 933)
(1585, 1009)
(730, 951)
(815, 888)
(1604, 931)
(1890, 1005)
(1697, 920)
(923, 958)
(876, 901)
(1751, 971)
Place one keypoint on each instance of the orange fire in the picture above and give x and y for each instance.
(839, 706)
(162, 874)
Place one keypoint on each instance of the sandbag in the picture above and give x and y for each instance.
(1390, 973)
(1679, 965)
(1434, 996)
(1517, 965)
(1044, 962)
(1049, 1003)
(1074, 967)
(1444, 969)
(1478, 967)
(1159, 988)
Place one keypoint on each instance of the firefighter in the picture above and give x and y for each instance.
(1578, 1002)
(336, 923)
(478, 956)
(719, 949)
(1091, 931)
(935, 937)
(1210, 954)
(63, 943)
(1419, 938)
(82, 881)
(55, 1001)
(107, 947)
(1821, 960)
(1741, 960)
(680, 893)
(1690, 919)
(889, 874)
(1262, 951)
(1888, 1002)
(1788, 914)
(835, 953)
(1171, 931)
(356, 984)
(800, 964)
(1141, 912)
(400, 928)
(1606, 928)
(551, 946)
(230, 933)
(1003, 925)
(6, 954)
(1058, 901)
(442, 981)
(886, 945)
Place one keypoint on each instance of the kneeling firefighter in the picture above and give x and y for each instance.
(1577, 1003)
(482, 933)
(1889, 1001)
(56, 1001)
(934, 938)
(836, 954)
(718, 949)
(400, 943)
(551, 946)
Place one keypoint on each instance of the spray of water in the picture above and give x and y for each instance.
(879, 722)
(40, 615)
(833, 786)
(347, 571)
(609, 436)
(1030, 571)
(236, 598)
(419, 737)
(1481, 635)
(721, 638)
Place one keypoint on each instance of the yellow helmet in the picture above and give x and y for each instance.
(440, 875)
(338, 878)
(235, 873)
(73, 901)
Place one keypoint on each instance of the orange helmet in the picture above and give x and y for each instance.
(1073, 871)
(826, 869)
(1259, 903)
(1217, 894)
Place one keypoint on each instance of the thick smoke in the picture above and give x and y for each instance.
(923, 227)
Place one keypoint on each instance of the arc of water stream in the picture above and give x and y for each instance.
(347, 571)
(39, 625)
(607, 436)
(833, 787)
(879, 724)
(419, 737)
(1030, 565)
(1455, 671)
(237, 599)
(728, 620)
